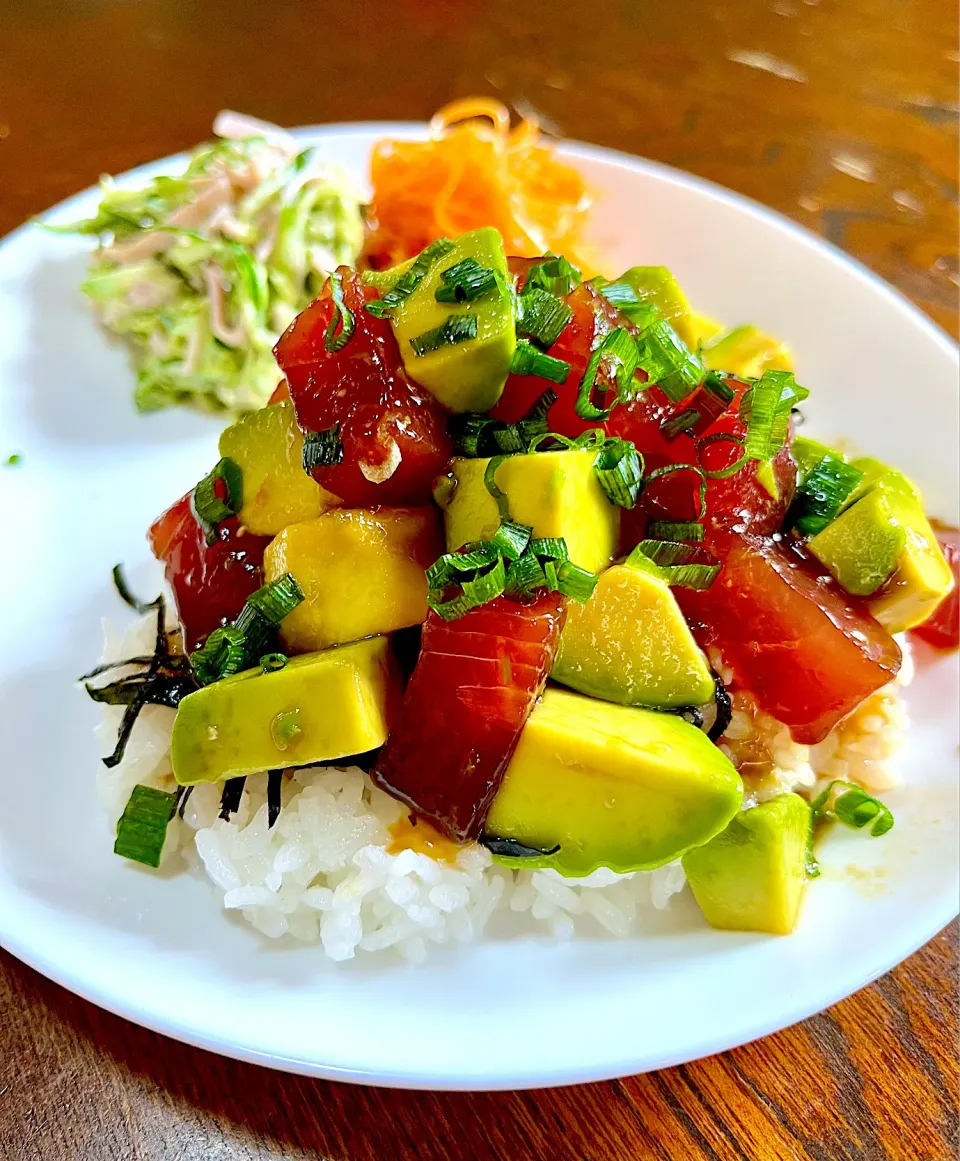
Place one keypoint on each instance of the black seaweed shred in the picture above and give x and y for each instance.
(724, 706)
(166, 679)
(274, 788)
(183, 797)
(230, 798)
(512, 849)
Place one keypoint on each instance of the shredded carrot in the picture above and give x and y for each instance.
(475, 171)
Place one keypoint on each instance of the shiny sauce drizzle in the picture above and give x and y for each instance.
(416, 834)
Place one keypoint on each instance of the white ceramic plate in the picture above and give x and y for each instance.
(502, 1014)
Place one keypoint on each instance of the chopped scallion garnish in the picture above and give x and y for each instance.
(490, 483)
(668, 362)
(673, 469)
(458, 328)
(342, 324)
(823, 494)
(854, 808)
(465, 281)
(676, 425)
(730, 469)
(766, 407)
(677, 564)
(618, 356)
(528, 360)
(218, 496)
(679, 531)
(554, 274)
(619, 470)
(511, 539)
(142, 828)
(542, 316)
(322, 449)
(272, 662)
(408, 282)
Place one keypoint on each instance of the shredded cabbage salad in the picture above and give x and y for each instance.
(199, 274)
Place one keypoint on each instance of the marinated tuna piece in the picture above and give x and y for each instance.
(391, 436)
(476, 681)
(807, 651)
(210, 582)
(754, 498)
(593, 317)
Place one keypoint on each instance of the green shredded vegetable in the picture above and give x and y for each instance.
(199, 274)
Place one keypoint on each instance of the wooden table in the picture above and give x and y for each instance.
(840, 113)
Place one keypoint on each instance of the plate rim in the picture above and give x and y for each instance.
(919, 933)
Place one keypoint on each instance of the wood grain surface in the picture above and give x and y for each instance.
(840, 113)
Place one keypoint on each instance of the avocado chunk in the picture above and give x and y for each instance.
(361, 571)
(752, 876)
(465, 374)
(631, 644)
(319, 707)
(747, 352)
(615, 786)
(267, 446)
(656, 285)
(554, 493)
(882, 546)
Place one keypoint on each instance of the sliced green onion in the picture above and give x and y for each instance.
(285, 727)
(822, 494)
(272, 662)
(511, 539)
(677, 564)
(671, 428)
(618, 352)
(484, 587)
(142, 828)
(679, 531)
(619, 469)
(714, 383)
(490, 483)
(408, 282)
(274, 600)
(542, 316)
(224, 653)
(575, 582)
(342, 324)
(720, 437)
(525, 576)
(668, 362)
(554, 274)
(550, 547)
(854, 808)
(208, 507)
(465, 282)
(458, 328)
(766, 407)
(322, 449)
(447, 568)
(528, 360)
(640, 312)
(672, 469)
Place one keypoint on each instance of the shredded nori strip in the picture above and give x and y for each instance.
(167, 679)
(274, 788)
(724, 710)
(230, 798)
(513, 849)
(184, 796)
(123, 591)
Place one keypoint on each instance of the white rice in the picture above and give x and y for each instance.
(323, 873)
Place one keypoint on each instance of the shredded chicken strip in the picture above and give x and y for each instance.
(233, 336)
(218, 192)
